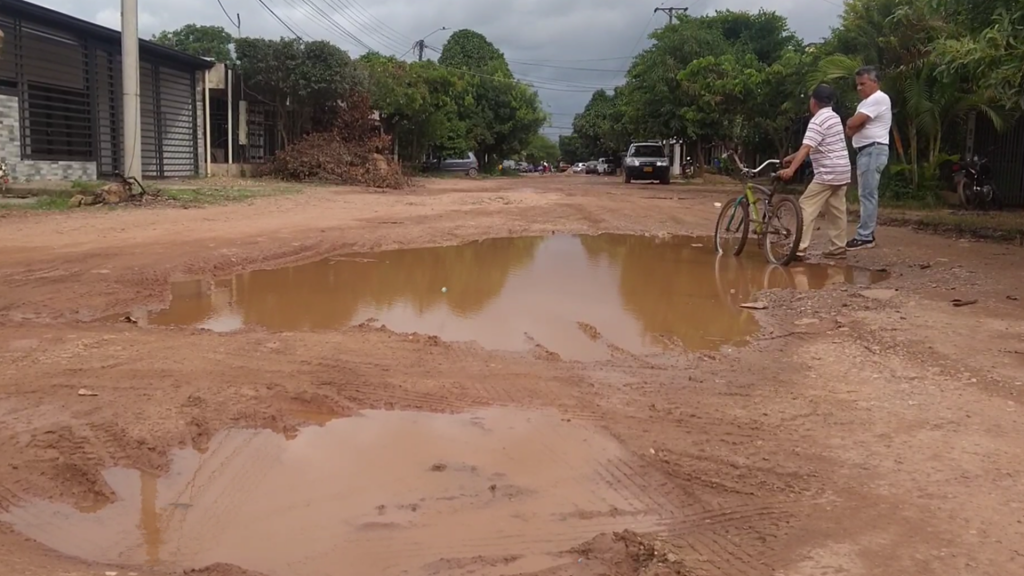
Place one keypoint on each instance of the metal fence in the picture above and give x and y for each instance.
(69, 98)
(1005, 152)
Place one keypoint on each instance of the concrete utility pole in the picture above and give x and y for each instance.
(671, 12)
(420, 44)
(132, 144)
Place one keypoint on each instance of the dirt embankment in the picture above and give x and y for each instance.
(864, 434)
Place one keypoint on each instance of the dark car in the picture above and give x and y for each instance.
(466, 164)
(591, 168)
(646, 161)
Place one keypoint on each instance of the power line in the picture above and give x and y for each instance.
(344, 10)
(238, 24)
(344, 32)
(402, 38)
(278, 18)
(553, 66)
(537, 83)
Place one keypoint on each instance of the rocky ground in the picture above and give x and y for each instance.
(865, 432)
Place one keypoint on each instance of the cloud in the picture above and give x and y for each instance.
(568, 47)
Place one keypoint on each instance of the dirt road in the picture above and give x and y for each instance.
(862, 434)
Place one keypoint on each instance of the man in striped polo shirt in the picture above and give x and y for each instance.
(825, 142)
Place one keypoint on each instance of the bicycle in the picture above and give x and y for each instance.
(735, 218)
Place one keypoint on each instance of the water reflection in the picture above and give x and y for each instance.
(637, 291)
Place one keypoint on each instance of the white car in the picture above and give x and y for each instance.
(579, 167)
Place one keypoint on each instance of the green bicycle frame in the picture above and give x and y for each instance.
(748, 194)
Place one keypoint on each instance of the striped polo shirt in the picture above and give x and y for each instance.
(829, 155)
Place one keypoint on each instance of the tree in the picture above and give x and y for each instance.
(501, 115)
(418, 104)
(599, 128)
(199, 40)
(470, 50)
(541, 149)
(305, 81)
(652, 98)
(718, 88)
(765, 34)
(993, 59)
(570, 149)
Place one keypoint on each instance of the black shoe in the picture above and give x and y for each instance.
(858, 244)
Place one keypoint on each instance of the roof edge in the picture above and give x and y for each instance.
(61, 20)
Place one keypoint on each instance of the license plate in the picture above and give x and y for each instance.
(648, 169)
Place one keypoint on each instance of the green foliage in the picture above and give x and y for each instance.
(500, 115)
(598, 130)
(471, 50)
(419, 105)
(305, 81)
(571, 150)
(541, 149)
(742, 79)
(199, 40)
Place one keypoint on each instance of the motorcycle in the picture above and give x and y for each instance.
(974, 185)
(688, 168)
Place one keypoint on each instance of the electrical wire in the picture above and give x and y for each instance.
(230, 19)
(344, 32)
(346, 11)
(278, 18)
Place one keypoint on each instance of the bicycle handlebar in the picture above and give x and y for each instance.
(747, 171)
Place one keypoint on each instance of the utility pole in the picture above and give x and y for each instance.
(671, 12)
(132, 144)
(420, 44)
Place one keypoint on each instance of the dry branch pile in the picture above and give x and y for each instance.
(350, 152)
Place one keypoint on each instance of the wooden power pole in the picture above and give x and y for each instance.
(671, 12)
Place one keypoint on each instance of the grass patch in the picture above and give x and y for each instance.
(41, 203)
(216, 196)
(86, 186)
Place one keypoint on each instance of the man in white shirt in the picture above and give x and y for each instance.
(825, 142)
(869, 130)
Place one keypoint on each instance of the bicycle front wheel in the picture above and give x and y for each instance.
(783, 230)
(732, 227)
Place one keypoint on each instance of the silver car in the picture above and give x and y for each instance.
(466, 164)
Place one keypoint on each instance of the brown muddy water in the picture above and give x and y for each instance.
(571, 294)
(378, 493)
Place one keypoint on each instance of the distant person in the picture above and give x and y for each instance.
(869, 131)
(825, 143)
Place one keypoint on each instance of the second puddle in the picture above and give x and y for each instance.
(564, 292)
(498, 491)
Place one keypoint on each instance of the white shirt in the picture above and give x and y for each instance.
(829, 155)
(878, 109)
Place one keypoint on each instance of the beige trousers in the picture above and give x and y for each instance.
(831, 197)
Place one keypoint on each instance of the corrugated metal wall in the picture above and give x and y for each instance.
(1005, 152)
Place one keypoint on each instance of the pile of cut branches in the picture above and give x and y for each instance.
(350, 151)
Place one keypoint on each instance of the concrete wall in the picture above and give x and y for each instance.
(29, 170)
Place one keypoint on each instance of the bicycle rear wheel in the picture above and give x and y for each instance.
(783, 230)
(732, 227)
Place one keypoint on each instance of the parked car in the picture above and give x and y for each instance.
(579, 168)
(646, 161)
(466, 164)
(606, 166)
(563, 167)
(591, 167)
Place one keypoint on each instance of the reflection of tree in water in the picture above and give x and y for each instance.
(673, 288)
(328, 293)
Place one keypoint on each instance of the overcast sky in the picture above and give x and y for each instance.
(567, 48)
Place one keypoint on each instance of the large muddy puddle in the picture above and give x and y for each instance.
(571, 294)
(499, 491)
